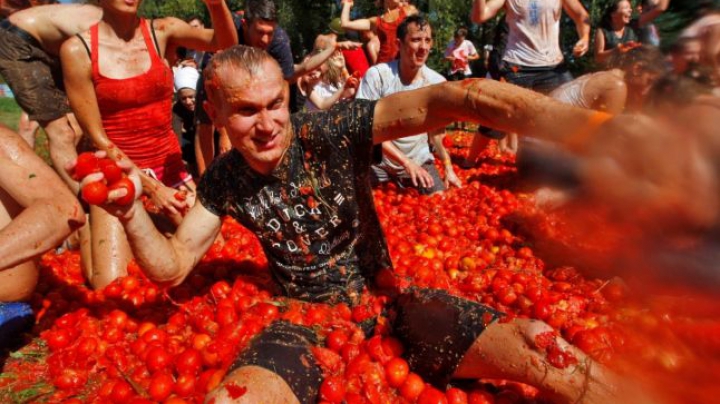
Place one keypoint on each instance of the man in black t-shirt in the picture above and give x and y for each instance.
(301, 184)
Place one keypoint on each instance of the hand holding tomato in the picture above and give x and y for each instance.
(104, 181)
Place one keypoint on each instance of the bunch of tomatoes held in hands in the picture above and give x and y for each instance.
(114, 178)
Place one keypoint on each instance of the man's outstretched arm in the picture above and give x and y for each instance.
(501, 106)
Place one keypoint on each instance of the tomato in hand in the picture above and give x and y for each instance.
(129, 197)
(95, 193)
(110, 170)
(86, 164)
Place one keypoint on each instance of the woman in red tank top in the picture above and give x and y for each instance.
(120, 88)
(384, 25)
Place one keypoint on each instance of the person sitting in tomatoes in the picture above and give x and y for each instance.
(37, 212)
(301, 184)
(408, 161)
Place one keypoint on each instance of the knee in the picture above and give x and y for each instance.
(252, 384)
(60, 130)
(529, 330)
(19, 282)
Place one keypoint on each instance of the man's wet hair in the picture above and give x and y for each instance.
(260, 10)
(242, 58)
(417, 19)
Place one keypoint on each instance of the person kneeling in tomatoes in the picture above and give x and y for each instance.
(37, 212)
(301, 184)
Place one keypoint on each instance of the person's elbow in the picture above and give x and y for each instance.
(582, 17)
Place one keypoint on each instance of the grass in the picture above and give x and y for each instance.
(10, 116)
(9, 113)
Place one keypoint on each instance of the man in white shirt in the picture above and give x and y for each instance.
(409, 160)
(460, 52)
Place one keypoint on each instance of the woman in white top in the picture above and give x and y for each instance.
(532, 57)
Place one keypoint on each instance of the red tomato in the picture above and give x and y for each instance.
(121, 392)
(413, 386)
(332, 389)
(336, 340)
(480, 397)
(86, 164)
(431, 395)
(189, 362)
(95, 193)
(447, 142)
(57, 339)
(396, 371)
(456, 396)
(124, 183)
(110, 170)
(161, 386)
(185, 385)
(158, 359)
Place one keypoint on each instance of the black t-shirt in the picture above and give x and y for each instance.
(314, 214)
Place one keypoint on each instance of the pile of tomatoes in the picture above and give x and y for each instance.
(137, 342)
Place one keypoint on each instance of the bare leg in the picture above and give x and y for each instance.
(17, 283)
(479, 144)
(27, 129)
(110, 249)
(63, 140)
(263, 386)
(508, 351)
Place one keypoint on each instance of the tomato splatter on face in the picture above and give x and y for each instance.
(235, 391)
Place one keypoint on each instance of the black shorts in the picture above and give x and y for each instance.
(435, 328)
(34, 76)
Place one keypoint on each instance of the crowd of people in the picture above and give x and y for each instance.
(100, 77)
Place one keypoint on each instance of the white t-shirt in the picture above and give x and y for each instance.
(534, 35)
(384, 79)
(461, 54)
(323, 90)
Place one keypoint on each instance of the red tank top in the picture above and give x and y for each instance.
(137, 111)
(387, 33)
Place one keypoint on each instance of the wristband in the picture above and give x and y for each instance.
(584, 134)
